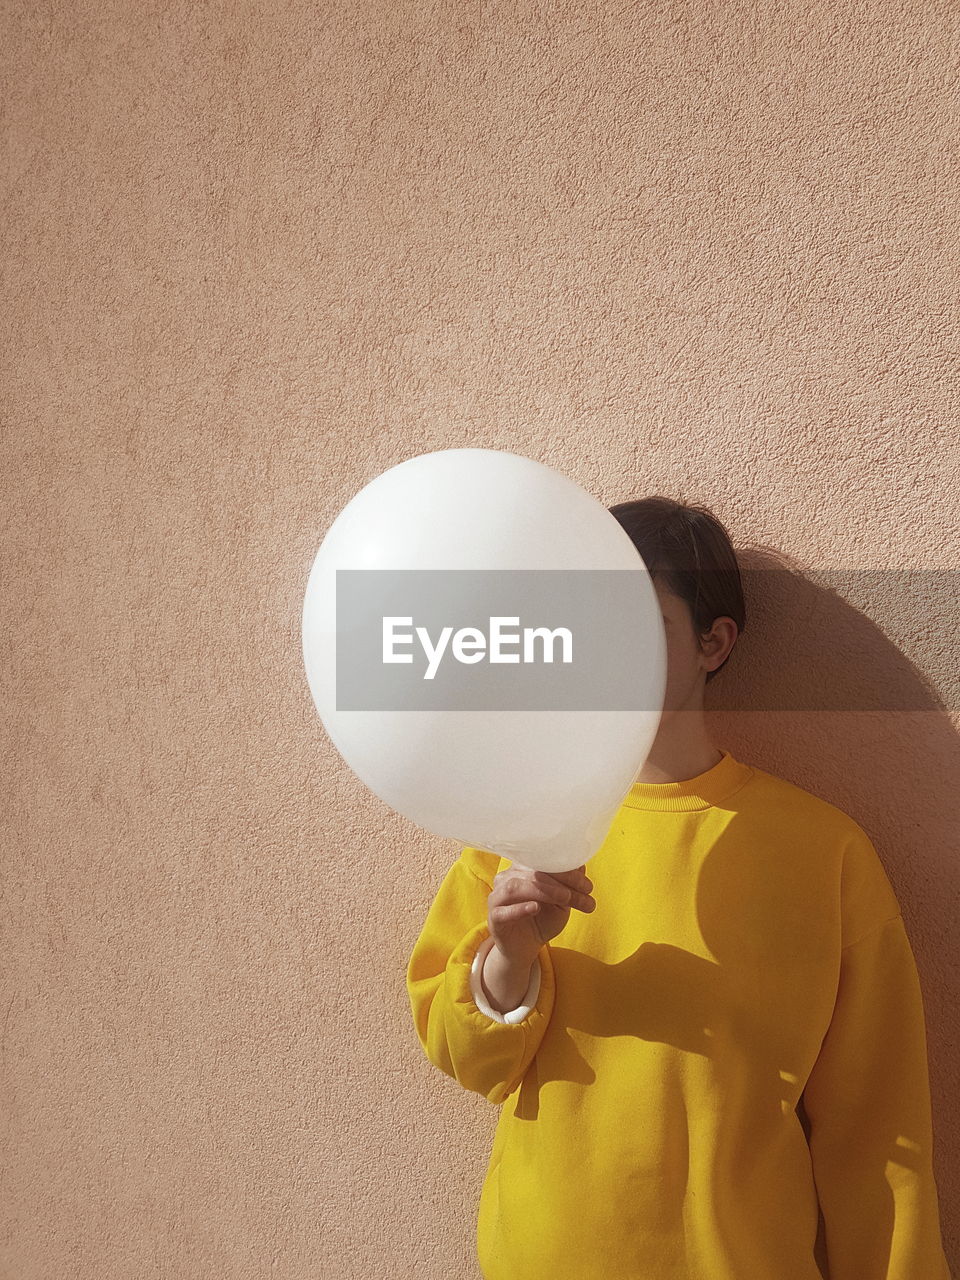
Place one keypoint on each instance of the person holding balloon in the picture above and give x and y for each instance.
(707, 1036)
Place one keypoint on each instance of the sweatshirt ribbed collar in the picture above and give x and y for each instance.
(717, 784)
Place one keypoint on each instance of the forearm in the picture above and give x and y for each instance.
(503, 981)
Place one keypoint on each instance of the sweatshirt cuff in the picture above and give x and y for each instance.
(480, 1000)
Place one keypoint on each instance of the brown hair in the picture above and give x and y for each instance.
(688, 549)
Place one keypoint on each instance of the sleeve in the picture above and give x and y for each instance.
(867, 1098)
(480, 1000)
(485, 1052)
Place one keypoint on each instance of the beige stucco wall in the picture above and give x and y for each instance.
(251, 258)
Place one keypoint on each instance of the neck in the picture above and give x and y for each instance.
(683, 748)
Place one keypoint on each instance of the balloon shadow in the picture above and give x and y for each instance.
(808, 695)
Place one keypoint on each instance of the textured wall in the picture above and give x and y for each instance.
(253, 257)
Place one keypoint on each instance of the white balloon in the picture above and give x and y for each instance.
(539, 787)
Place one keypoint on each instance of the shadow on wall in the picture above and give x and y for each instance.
(827, 651)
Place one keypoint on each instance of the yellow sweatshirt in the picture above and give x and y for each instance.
(747, 947)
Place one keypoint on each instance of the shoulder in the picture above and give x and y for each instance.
(865, 894)
(787, 798)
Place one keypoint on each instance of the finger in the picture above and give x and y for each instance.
(523, 869)
(519, 889)
(575, 879)
(513, 911)
(550, 895)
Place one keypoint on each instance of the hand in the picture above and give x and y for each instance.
(526, 908)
